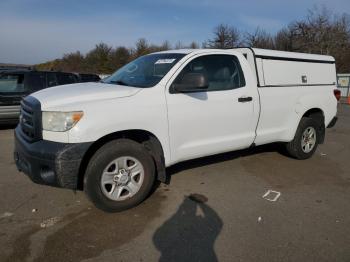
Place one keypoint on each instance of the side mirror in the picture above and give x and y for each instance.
(191, 82)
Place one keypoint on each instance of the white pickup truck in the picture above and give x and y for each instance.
(115, 138)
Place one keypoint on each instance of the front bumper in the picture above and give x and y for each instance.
(49, 163)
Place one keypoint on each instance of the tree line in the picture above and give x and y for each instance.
(320, 32)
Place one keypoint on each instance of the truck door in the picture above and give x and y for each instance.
(217, 120)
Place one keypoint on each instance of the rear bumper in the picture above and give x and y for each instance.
(49, 163)
(333, 122)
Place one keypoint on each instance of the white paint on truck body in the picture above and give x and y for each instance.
(191, 125)
(284, 97)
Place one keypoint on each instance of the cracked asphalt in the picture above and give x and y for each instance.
(212, 210)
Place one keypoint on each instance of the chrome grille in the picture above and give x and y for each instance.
(30, 119)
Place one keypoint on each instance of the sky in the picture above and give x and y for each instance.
(35, 31)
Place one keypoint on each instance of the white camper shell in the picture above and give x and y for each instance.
(279, 68)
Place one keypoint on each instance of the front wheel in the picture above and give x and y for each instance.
(306, 139)
(119, 176)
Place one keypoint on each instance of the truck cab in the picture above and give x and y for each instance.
(114, 138)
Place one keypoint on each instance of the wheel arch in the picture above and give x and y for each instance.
(317, 114)
(314, 112)
(144, 137)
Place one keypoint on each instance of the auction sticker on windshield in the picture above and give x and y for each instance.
(165, 61)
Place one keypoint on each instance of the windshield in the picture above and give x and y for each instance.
(11, 83)
(145, 71)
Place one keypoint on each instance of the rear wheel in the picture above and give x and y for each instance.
(306, 139)
(119, 176)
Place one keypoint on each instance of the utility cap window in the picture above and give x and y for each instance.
(223, 72)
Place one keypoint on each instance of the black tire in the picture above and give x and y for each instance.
(103, 156)
(294, 147)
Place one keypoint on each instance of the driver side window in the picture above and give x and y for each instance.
(222, 71)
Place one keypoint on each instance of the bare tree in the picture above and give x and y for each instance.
(224, 37)
(166, 45)
(194, 45)
(142, 47)
(179, 45)
(321, 32)
(259, 39)
(283, 40)
(119, 57)
(97, 59)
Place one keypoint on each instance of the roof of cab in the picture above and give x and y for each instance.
(176, 51)
(196, 51)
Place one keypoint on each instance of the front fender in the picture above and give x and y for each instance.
(145, 111)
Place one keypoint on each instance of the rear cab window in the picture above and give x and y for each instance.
(12, 83)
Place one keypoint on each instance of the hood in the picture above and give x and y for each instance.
(82, 92)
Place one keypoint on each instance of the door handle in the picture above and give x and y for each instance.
(244, 99)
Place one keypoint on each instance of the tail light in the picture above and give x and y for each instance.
(337, 94)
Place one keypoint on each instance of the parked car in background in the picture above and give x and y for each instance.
(83, 78)
(6, 67)
(16, 84)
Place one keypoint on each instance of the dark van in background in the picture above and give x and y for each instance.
(83, 78)
(16, 84)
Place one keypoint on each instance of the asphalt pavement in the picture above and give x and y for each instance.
(215, 208)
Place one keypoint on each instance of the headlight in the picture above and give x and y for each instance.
(60, 121)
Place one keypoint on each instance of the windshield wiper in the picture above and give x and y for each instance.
(119, 82)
